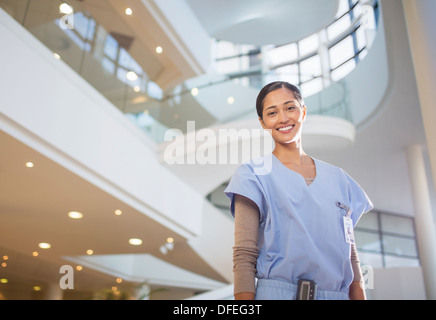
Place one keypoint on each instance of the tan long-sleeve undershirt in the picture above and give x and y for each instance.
(245, 250)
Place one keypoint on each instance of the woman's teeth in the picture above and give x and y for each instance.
(286, 128)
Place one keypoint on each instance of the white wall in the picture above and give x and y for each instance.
(397, 284)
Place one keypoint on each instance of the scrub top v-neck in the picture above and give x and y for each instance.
(301, 231)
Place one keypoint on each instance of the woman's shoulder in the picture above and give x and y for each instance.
(259, 166)
(332, 169)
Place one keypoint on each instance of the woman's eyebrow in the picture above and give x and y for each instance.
(286, 103)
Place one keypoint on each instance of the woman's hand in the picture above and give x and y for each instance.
(356, 291)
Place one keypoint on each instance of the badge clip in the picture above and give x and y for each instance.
(344, 207)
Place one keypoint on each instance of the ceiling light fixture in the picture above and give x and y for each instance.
(65, 8)
(159, 49)
(29, 164)
(89, 252)
(230, 100)
(135, 241)
(131, 76)
(75, 215)
(195, 92)
(129, 11)
(44, 245)
(118, 212)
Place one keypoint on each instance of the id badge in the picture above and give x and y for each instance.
(349, 230)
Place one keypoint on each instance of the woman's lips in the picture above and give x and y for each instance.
(286, 129)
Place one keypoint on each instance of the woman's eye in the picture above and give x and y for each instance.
(291, 108)
(272, 113)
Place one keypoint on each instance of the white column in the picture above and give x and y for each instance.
(421, 25)
(425, 232)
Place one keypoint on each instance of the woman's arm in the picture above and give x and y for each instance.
(245, 251)
(357, 291)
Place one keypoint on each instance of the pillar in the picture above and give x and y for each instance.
(421, 27)
(425, 231)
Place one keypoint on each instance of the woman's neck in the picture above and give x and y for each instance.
(292, 153)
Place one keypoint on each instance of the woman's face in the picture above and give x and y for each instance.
(283, 115)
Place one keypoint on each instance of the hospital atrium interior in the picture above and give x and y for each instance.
(122, 122)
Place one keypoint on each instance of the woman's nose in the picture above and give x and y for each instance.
(283, 117)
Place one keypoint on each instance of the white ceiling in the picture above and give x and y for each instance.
(261, 22)
(34, 203)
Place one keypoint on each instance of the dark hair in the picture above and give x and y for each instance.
(273, 87)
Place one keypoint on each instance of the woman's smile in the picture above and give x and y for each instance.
(286, 129)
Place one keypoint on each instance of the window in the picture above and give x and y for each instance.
(341, 52)
(282, 54)
(310, 68)
(311, 87)
(289, 73)
(386, 240)
(308, 45)
(343, 70)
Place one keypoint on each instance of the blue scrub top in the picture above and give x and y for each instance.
(301, 231)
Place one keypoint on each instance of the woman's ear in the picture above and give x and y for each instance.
(261, 123)
(304, 112)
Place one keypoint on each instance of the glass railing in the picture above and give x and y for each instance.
(100, 57)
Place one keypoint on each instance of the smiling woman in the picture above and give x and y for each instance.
(283, 113)
(289, 228)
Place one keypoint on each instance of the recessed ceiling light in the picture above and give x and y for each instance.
(65, 8)
(230, 100)
(75, 215)
(36, 288)
(118, 212)
(195, 92)
(89, 252)
(29, 164)
(44, 245)
(35, 253)
(135, 241)
(159, 49)
(129, 11)
(131, 76)
(4, 281)
(56, 56)
(79, 268)
(170, 240)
